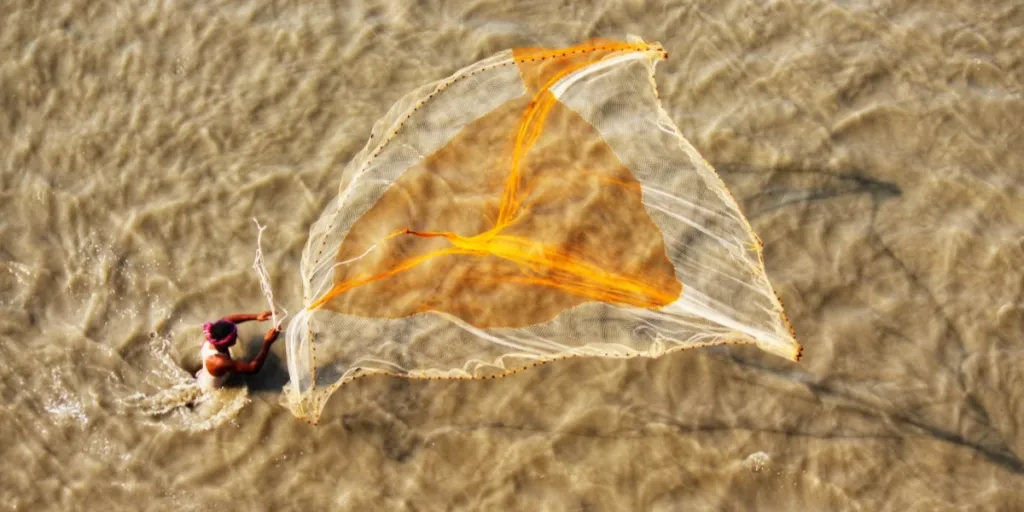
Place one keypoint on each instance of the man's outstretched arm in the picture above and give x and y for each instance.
(222, 365)
(245, 317)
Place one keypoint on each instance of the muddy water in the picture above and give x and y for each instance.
(875, 146)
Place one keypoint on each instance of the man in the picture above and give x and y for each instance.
(217, 362)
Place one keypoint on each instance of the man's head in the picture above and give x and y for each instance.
(221, 334)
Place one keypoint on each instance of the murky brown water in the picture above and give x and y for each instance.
(875, 146)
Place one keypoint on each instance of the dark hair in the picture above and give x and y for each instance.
(220, 329)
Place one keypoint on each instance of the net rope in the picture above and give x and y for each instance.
(261, 272)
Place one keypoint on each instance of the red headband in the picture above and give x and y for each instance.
(224, 342)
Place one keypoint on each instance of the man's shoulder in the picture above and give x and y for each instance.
(218, 364)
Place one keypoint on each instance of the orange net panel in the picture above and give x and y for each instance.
(534, 206)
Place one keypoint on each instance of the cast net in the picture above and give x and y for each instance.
(534, 206)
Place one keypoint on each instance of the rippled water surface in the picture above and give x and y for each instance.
(875, 146)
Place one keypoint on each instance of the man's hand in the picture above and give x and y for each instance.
(264, 316)
(271, 335)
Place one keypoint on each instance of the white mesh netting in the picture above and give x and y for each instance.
(536, 205)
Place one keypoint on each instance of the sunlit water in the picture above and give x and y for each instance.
(875, 146)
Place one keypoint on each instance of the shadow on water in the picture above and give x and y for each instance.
(271, 378)
(827, 185)
(824, 185)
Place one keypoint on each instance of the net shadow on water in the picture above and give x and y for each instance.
(946, 351)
